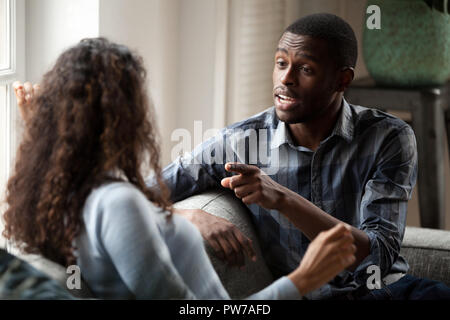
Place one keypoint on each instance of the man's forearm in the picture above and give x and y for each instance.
(312, 220)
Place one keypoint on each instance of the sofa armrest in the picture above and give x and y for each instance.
(256, 275)
(427, 252)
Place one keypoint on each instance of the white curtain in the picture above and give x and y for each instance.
(255, 28)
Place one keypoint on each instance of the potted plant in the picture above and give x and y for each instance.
(441, 5)
(412, 47)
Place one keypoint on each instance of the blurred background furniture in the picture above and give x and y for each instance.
(430, 110)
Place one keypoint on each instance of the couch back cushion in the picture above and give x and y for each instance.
(426, 250)
(428, 253)
(256, 275)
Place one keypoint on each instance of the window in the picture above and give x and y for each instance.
(4, 34)
(3, 127)
(12, 45)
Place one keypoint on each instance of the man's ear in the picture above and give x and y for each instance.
(345, 78)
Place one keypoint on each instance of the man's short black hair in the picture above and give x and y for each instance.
(338, 33)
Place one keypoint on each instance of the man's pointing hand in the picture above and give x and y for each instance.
(252, 185)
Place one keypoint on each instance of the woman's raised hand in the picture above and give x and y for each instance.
(328, 254)
(25, 93)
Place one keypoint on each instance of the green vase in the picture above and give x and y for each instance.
(412, 48)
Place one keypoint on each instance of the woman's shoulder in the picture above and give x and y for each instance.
(116, 188)
(115, 201)
(112, 199)
(117, 192)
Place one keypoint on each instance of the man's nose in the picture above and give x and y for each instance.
(289, 77)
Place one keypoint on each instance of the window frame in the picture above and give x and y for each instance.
(16, 71)
(9, 3)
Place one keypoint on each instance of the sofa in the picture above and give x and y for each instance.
(426, 250)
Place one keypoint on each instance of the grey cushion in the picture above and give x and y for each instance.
(428, 253)
(426, 250)
(256, 275)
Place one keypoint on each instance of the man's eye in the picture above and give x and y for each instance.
(281, 63)
(306, 70)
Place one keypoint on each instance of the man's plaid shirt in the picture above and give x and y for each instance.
(362, 174)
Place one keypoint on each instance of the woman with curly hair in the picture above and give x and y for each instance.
(77, 195)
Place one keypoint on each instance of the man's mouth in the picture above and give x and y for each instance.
(284, 102)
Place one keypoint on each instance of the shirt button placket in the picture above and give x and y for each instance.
(316, 194)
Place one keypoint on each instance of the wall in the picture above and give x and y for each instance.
(177, 40)
(197, 35)
(54, 25)
(151, 28)
(351, 11)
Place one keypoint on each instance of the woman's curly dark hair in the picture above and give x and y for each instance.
(91, 118)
